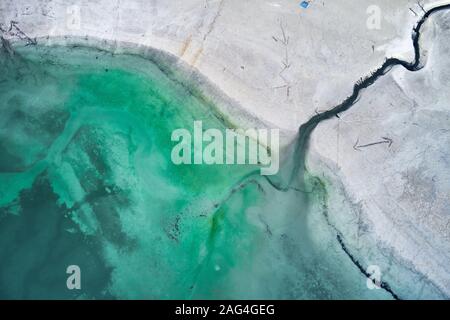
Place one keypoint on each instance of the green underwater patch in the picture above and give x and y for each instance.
(86, 179)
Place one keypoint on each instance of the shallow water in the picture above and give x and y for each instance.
(86, 179)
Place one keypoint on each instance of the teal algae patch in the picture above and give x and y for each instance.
(86, 179)
(85, 145)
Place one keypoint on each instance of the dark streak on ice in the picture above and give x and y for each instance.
(382, 284)
(305, 130)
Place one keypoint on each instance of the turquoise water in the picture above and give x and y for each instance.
(86, 179)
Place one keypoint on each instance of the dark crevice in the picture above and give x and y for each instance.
(305, 130)
(381, 284)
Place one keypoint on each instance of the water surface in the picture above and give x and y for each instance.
(86, 179)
